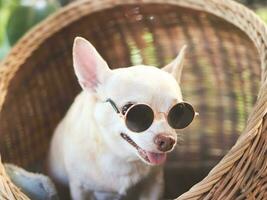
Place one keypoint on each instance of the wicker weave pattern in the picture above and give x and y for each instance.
(242, 172)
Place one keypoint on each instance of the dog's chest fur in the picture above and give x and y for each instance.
(87, 156)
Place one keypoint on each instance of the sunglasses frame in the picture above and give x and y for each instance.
(124, 116)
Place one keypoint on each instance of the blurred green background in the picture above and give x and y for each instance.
(18, 16)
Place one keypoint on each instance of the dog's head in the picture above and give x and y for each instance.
(157, 88)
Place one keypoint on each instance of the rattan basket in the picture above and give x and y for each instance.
(224, 77)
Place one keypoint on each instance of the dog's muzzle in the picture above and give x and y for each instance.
(149, 157)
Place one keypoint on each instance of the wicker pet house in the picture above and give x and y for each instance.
(224, 78)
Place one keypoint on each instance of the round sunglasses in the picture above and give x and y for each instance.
(139, 117)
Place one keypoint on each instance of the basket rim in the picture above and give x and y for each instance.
(230, 11)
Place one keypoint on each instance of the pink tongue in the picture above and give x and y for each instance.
(156, 158)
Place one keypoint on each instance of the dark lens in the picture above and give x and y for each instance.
(139, 118)
(181, 115)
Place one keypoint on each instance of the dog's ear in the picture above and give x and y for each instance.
(176, 66)
(90, 68)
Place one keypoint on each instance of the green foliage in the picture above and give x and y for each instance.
(64, 2)
(23, 17)
(262, 12)
(18, 16)
(5, 6)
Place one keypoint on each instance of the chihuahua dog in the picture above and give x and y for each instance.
(117, 133)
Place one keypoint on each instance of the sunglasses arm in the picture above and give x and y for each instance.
(112, 103)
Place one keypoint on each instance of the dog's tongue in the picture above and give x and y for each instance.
(157, 158)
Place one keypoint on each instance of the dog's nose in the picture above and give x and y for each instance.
(164, 142)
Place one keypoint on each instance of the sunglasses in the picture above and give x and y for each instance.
(139, 117)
